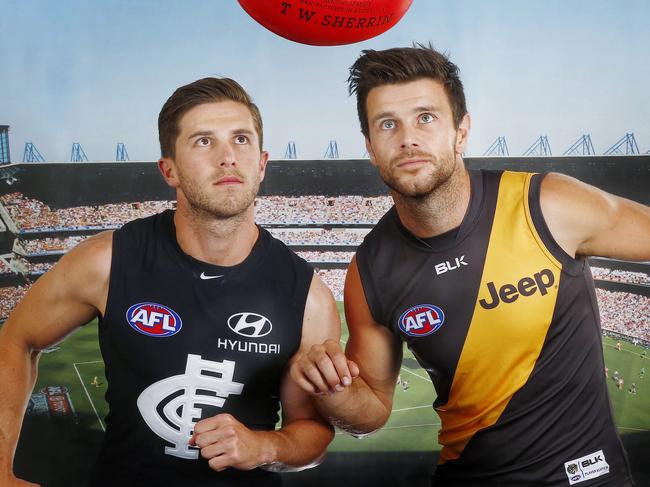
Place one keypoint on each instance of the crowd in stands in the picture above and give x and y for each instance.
(320, 236)
(31, 215)
(624, 313)
(320, 209)
(327, 256)
(620, 275)
(335, 279)
(55, 245)
(9, 297)
(290, 236)
(5, 268)
(36, 267)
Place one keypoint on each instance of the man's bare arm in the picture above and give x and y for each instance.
(353, 390)
(587, 221)
(72, 293)
(304, 436)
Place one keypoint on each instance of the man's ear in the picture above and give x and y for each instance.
(462, 134)
(167, 168)
(370, 151)
(264, 158)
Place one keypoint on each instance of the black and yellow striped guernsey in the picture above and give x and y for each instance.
(507, 326)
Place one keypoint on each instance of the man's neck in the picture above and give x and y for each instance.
(440, 211)
(224, 242)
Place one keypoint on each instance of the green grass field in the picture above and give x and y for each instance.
(413, 426)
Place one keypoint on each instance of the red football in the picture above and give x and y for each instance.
(327, 22)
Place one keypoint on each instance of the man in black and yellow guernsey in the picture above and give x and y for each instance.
(200, 313)
(483, 275)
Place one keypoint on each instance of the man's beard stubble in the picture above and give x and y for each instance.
(202, 204)
(443, 170)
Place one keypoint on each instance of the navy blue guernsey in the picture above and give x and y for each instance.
(183, 340)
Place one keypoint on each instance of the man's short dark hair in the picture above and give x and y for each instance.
(401, 65)
(206, 90)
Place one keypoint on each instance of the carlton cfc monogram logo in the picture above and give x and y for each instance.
(175, 422)
(421, 320)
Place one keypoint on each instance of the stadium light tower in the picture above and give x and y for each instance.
(31, 153)
(332, 151)
(290, 152)
(77, 154)
(121, 154)
(498, 148)
(625, 146)
(5, 156)
(540, 147)
(581, 147)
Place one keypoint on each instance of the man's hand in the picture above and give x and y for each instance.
(324, 369)
(225, 442)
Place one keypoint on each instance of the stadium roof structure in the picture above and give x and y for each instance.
(581, 147)
(540, 147)
(31, 153)
(121, 154)
(5, 156)
(77, 154)
(290, 153)
(626, 145)
(498, 148)
(332, 151)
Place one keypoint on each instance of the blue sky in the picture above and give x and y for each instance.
(98, 72)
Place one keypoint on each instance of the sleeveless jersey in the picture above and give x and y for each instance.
(183, 340)
(506, 324)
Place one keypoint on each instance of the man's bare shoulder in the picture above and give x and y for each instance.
(95, 252)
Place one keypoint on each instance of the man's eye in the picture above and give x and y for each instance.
(388, 124)
(203, 142)
(426, 118)
(241, 139)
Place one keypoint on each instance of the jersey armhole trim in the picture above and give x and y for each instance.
(113, 273)
(366, 280)
(540, 230)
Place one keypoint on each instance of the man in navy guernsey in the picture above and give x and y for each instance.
(483, 275)
(200, 313)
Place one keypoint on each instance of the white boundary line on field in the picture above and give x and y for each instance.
(339, 432)
(414, 407)
(101, 423)
(631, 429)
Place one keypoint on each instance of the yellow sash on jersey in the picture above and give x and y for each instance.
(511, 316)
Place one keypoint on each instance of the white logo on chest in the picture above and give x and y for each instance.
(450, 265)
(182, 411)
(250, 325)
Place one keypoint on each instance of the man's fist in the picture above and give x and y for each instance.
(225, 442)
(324, 369)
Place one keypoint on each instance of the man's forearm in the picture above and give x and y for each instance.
(356, 409)
(299, 445)
(18, 369)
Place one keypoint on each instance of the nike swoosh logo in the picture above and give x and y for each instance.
(203, 276)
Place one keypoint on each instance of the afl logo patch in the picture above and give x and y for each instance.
(421, 320)
(250, 325)
(154, 319)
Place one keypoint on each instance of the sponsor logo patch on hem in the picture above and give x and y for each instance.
(586, 468)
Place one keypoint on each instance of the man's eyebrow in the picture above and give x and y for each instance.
(418, 109)
(200, 133)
